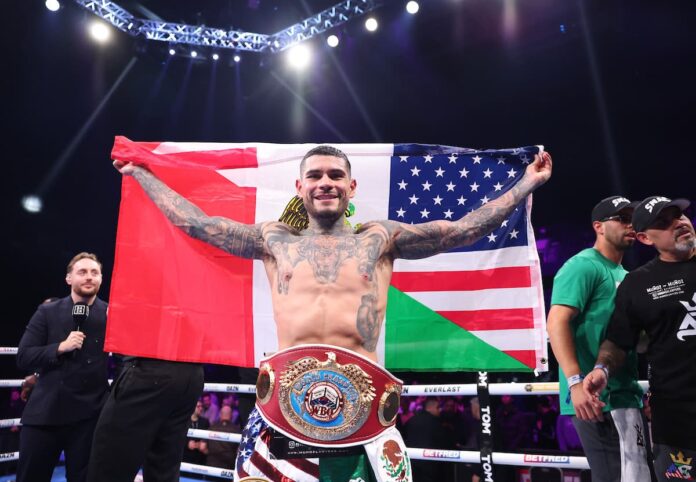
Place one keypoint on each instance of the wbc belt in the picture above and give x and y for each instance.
(326, 396)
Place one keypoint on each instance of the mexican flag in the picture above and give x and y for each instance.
(176, 298)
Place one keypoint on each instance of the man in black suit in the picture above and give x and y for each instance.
(72, 383)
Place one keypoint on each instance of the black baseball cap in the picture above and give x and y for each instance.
(610, 206)
(650, 208)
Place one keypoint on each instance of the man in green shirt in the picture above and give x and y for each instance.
(581, 306)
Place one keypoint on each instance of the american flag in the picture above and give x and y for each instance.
(254, 457)
(449, 186)
(491, 288)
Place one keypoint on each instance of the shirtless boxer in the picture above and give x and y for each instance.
(330, 282)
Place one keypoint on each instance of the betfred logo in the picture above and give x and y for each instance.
(547, 459)
(440, 454)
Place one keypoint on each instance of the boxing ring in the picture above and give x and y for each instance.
(482, 389)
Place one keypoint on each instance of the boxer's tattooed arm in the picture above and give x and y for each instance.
(368, 322)
(427, 239)
(235, 238)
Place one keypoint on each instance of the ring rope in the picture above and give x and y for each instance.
(435, 455)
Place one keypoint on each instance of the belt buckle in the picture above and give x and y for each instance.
(323, 399)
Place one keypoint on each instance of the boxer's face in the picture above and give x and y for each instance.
(325, 187)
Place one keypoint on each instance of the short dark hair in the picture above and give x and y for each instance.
(80, 256)
(325, 150)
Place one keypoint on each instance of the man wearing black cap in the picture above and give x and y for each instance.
(581, 306)
(660, 298)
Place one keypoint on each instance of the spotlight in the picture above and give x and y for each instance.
(216, 56)
(100, 32)
(52, 5)
(332, 40)
(194, 54)
(32, 203)
(299, 56)
(412, 7)
(371, 24)
(172, 52)
(236, 58)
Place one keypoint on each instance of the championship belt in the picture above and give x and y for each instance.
(326, 396)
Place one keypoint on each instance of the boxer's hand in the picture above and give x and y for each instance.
(539, 171)
(72, 342)
(125, 167)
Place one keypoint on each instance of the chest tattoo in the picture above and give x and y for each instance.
(325, 255)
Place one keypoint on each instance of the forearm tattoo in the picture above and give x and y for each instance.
(427, 239)
(611, 355)
(233, 237)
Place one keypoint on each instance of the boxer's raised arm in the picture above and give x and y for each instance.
(242, 240)
(413, 241)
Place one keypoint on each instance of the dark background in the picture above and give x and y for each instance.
(606, 86)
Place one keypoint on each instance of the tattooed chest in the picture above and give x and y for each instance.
(328, 258)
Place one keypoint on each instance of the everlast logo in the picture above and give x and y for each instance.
(654, 201)
(688, 326)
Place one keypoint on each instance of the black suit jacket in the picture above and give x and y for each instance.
(73, 386)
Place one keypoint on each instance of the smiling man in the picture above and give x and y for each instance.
(72, 377)
(329, 285)
(660, 298)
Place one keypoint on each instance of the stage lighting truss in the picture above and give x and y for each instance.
(200, 35)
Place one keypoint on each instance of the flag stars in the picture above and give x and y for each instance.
(484, 200)
(463, 173)
(525, 159)
(511, 173)
(400, 212)
(426, 186)
(474, 187)
(452, 159)
(437, 200)
(491, 238)
(413, 199)
(487, 173)
(513, 234)
(402, 185)
(497, 186)
(403, 158)
(501, 160)
(504, 224)
(424, 213)
(477, 159)
(428, 158)
(461, 201)
(439, 172)
(450, 186)
(448, 214)
(415, 171)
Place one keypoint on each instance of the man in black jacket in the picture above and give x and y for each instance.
(73, 382)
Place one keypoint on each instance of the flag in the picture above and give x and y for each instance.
(474, 308)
